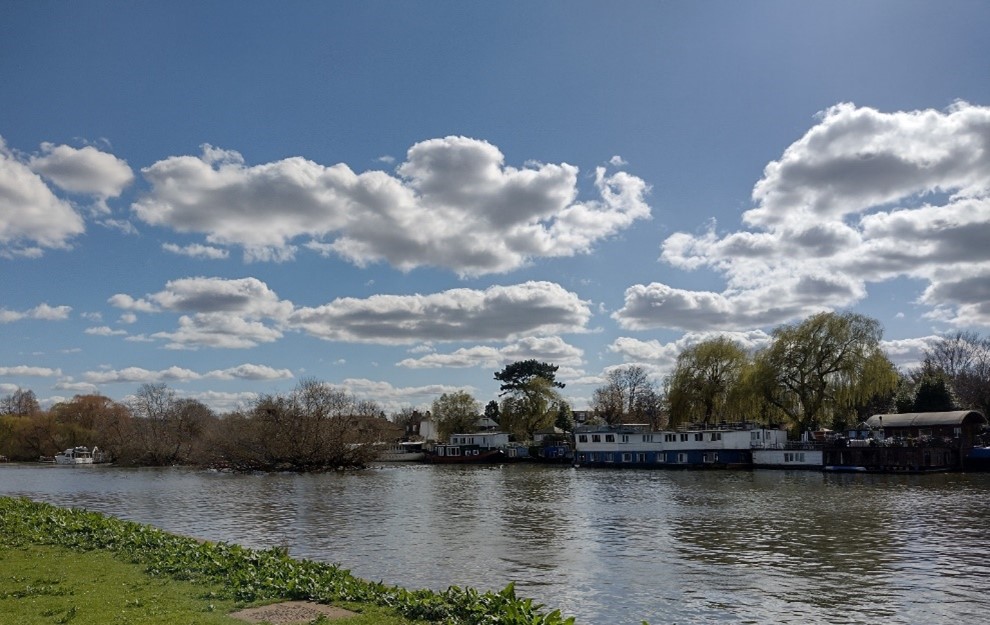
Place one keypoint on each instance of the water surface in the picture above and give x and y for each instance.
(609, 547)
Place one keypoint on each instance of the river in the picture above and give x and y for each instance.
(609, 547)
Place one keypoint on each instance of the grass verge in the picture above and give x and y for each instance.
(182, 574)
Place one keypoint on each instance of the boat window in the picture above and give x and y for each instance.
(625, 438)
(610, 438)
(640, 457)
(684, 437)
(716, 436)
(596, 438)
(699, 436)
(583, 438)
(627, 457)
(682, 458)
(670, 438)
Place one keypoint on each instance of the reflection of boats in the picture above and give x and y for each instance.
(409, 451)
(75, 455)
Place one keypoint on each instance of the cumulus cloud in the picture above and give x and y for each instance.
(226, 313)
(42, 312)
(104, 331)
(453, 203)
(244, 312)
(24, 370)
(179, 374)
(197, 250)
(82, 170)
(864, 196)
(32, 218)
(546, 349)
(496, 313)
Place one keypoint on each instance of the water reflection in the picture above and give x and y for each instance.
(608, 547)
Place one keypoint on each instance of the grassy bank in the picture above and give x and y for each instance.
(201, 582)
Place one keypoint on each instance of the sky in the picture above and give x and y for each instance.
(400, 198)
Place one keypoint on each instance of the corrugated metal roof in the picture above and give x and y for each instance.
(925, 419)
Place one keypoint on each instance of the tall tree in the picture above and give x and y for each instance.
(514, 376)
(704, 378)
(534, 406)
(455, 413)
(622, 398)
(964, 358)
(824, 368)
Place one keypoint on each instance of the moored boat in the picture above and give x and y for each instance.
(477, 448)
(76, 455)
(408, 451)
(722, 446)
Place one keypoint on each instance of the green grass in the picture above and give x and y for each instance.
(45, 585)
(50, 556)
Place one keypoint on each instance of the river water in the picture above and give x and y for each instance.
(609, 547)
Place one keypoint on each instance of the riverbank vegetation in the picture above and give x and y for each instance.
(232, 575)
(828, 371)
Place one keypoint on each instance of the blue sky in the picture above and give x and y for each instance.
(399, 198)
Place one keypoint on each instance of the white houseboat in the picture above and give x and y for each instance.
(637, 446)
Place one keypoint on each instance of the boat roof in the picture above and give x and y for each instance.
(923, 419)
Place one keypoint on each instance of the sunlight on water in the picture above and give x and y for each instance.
(605, 546)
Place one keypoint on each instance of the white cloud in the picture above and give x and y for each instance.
(454, 204)
(104, 331)
(863, 197)
(83, 170)
(24, 370)
(42, 312)
(496, 313)
(81, 388)
(550, 349)
(250, 372)
(218, 330)
(32, 218)
(197, 250)
(141, 375)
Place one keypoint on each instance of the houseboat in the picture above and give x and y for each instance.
(407, 451)
(637, 446)
(477, 448)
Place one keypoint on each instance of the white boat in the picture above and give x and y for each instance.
(410, 451)
(75, 455)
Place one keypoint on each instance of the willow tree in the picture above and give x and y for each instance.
(533, 406)
(824, 368)
(704, 379)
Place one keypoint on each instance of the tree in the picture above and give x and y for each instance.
(705, 377)
(455, 413)
(515, 375)
(824, 368)
(492, 411)
(627, 395)
(21, 403)
(532, 407)
(964, 358)
(165, 428)
(314, 428)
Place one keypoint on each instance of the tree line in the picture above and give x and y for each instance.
(828, 371)
(313, 427)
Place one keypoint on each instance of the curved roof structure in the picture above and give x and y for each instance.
(926, 419)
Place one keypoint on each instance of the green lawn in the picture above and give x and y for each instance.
(42, 585)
